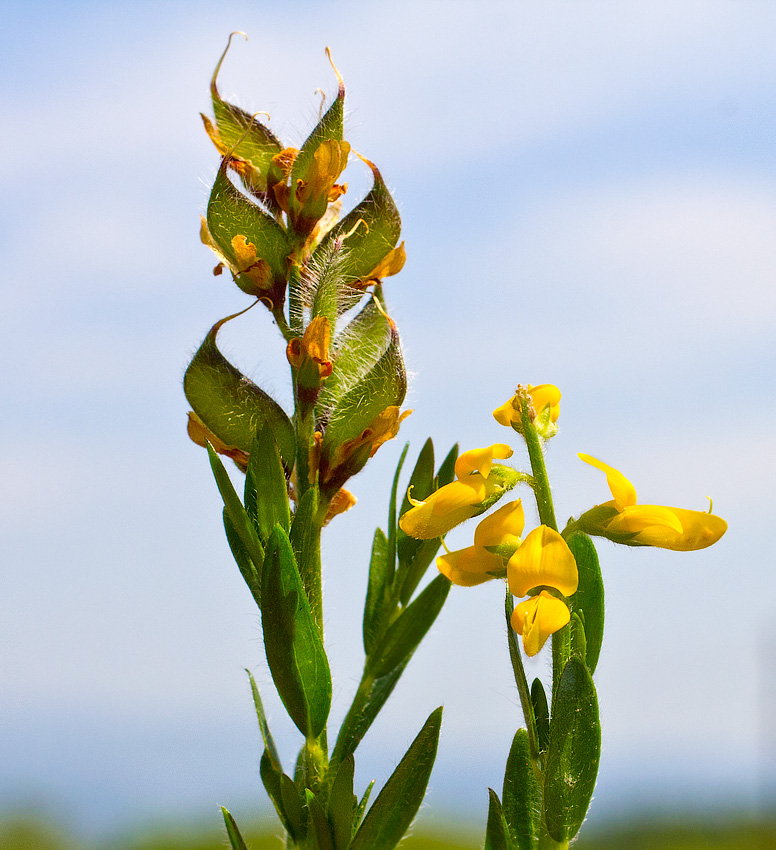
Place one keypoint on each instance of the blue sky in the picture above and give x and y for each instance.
(588, 194)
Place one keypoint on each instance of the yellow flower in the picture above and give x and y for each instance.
(624, 521)
(543, 559)
(537, 618)
(545, 400)
(477, 486)
(494, 539)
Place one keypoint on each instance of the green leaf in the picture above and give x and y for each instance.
(522, 795)
(230, 215)
(241, 525)
(392, 518)
(578, 640)
(447, 468)
(235, 839)
(421, 483)
(380, 571)
(305, 538)
(541, 714)
(292, 805)
(368, 245)
(232, 406)
(266, 488)
(496, 834)
(356, 725)
(406, 632)
(361, 807)
(589, 598)
(247, 568)
(271, 776)
(295, 653)
(356, 350)
(574, 752)
(415, 568)
(318, 834)
(383, 386)
(342, 804)
(266, 735)
(397, 804)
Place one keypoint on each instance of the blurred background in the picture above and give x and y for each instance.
(588, 194)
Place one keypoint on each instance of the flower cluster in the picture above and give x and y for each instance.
(540, 567)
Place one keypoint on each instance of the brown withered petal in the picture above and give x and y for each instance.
(201, 435)
(343, 501)
(212, 131)
(249, 263)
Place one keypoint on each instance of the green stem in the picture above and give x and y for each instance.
(522, 685)
(352, 719)
(541, 483)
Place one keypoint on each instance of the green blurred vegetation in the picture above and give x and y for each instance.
(691, 832)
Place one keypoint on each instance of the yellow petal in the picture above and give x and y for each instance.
(637, 518)
(544, 558)
(697, 530)
(623, 491)
(442, 510)
(537, 618)
(480, 460)
(543, 395)
(392, 263)
(502, 526)
(467, 567)
(506, 414)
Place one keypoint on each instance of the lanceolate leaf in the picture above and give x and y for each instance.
(380, 572)
(297, 659)
(231, 405)
(247, 568)
(574, 752)
(271, 776)
(236, 512)
(318, 832)
(397, 804)
(266, 488)
(235, 839)
(496, 833)
(342, 804)
(541, 714)
(266, 735)
(406, 632)
(306, 539)
(589, 598)
(447, 467)
(521, 795)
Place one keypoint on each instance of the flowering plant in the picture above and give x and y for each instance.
(274, 223)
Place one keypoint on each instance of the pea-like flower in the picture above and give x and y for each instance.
(543, 562)
(624, 521)
(495, 538)
(545, 400)
(537, 618)
(479, 485)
